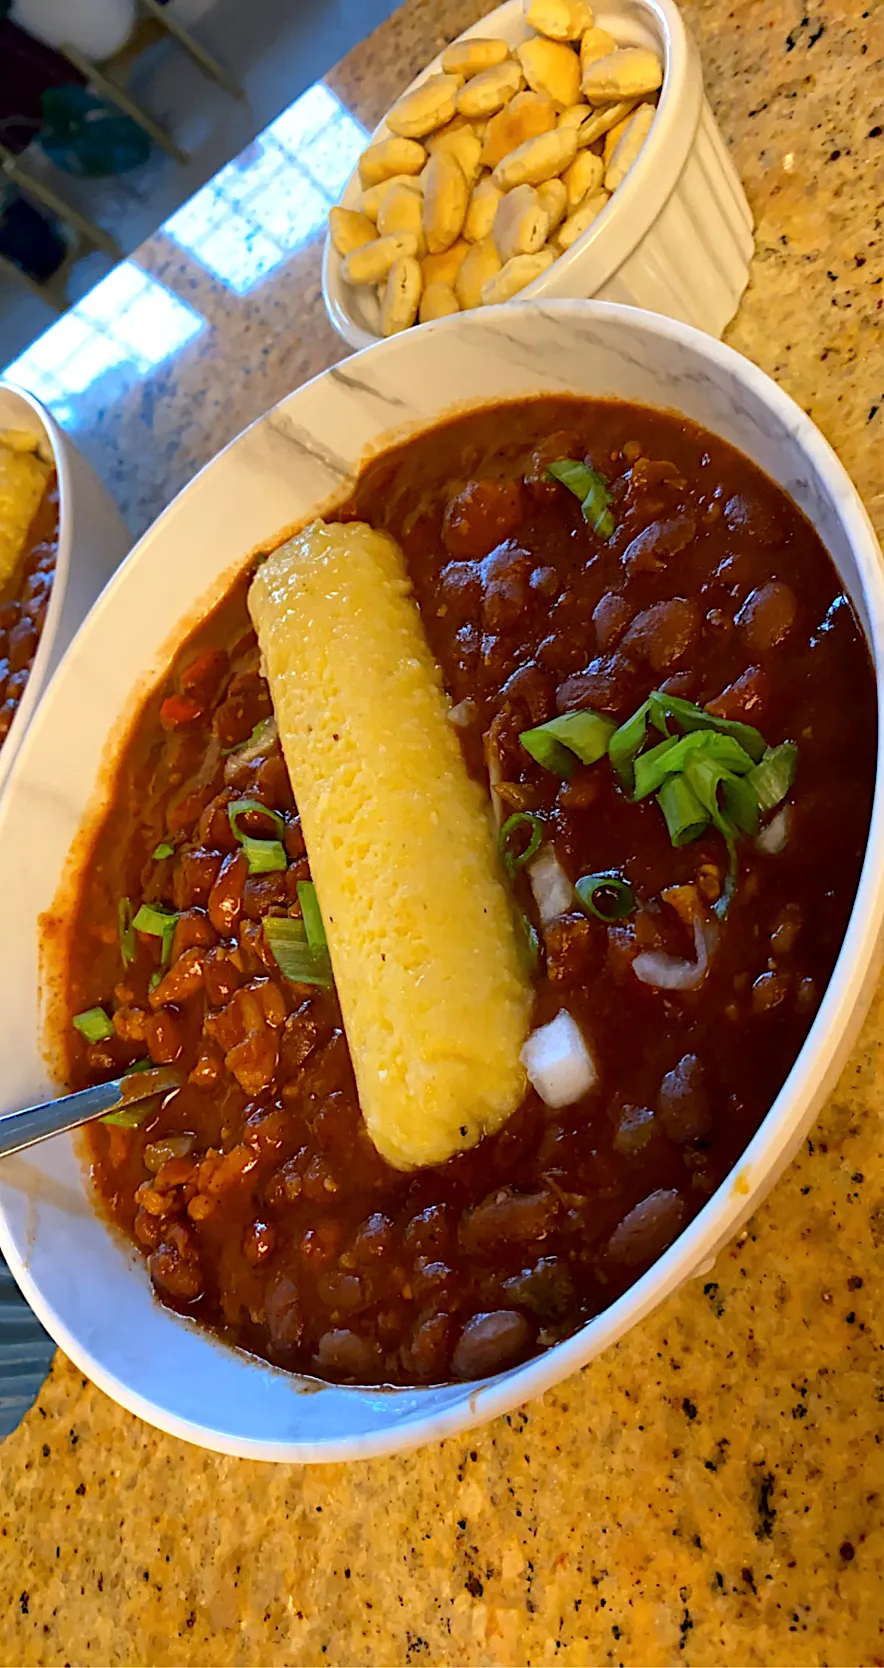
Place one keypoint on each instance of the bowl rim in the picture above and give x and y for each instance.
(40, 666)
(612, 237)
(791, 1113)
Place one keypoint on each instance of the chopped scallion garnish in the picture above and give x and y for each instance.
(670, 758)
(94, 1025)
(311, 914)
(606, 896)
(515, 859)
(157, 922)
(128, 1117)
(592, 490)
(238, 808)
(266, 857)
(685, 817)
(294, 956)
(663, 707)
(128, 946)
(527, 944)
(626, 744)
(771, 780)
(163, 850)
(576, 735)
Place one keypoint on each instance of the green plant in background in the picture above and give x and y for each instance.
(87, 138)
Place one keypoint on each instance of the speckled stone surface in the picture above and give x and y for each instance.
(712, 1490)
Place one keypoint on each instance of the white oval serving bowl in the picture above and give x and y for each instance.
(90, 1290)
(92, 541)
(676, 236)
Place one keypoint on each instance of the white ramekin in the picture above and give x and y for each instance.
(92, 541)
(91, 1291)
(675, 238)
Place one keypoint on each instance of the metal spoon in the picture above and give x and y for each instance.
(36, 1123)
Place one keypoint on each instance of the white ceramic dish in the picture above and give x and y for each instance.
(90, 1291)
(675, 238)
(92, 541)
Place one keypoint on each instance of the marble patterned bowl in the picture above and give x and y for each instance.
(676, 236)
(90, 1289)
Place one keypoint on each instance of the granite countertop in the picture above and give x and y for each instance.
(711, 1490)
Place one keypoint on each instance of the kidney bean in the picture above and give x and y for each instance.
(610, 617)
(768, 615)
(507, 1216)
(344, 1354)
(182, 981)
(744, 699)
(684, 1105)
(22, 644)
(490, 1343)
(193, 930)
(647, 1229)
(193, 876)
(259, 1242)
(283, 1314)
(226, 896)
(663, 634)
(649, 550)
(254, 1060)
(164, 1035)
(221, 976)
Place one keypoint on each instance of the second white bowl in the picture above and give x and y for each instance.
(676, 237)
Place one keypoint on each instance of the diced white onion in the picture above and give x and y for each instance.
(553, 892)
(775, 833)
(655, 967)
(558, 1061)
(462, 715)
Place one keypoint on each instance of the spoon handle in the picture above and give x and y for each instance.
(36, 1123)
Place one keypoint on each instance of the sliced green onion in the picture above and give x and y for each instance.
(157, 922)
(294, 956)
(740, 803)
(626, 744)
(94, 1025)
(670, 757)
(513, 861)
(263, 736)
(584, 734)
(592, 490)
(140, 1065)
(163, 850)
(685, 817)
(606, 896)
(128, 1117)
(155, 979)
(690, 717)
(311, 914)
(266, 857)
(128, 945)
(705, 776)
(238, 808)
(527, 944)
(771, 780)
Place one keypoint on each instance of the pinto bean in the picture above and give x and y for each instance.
(221, 976)
(663, 634)
(164, 1036)
(183, 980)
(226, 896)
(768, 615)
(193, 876)
(683, 1104)
(129, 1023)
(283, 1313)
(610, 617)
(343, 1354)
(745, 698)
(193, 928)
(647, 1229)
(480, 516)
(460, 593)
(491, 1342)
(507, 1216)
(259, 1242)
(262, 893)
(649, 550)
(426, 1353)
(178, 1277)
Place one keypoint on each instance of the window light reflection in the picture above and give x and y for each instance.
(262, 206)
(123, 329)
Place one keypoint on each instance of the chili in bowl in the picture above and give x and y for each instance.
(55, 565)
(640, 637)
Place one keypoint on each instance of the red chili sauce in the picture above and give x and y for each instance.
(254, 1192)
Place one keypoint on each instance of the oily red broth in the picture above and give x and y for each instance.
(254, 1192)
